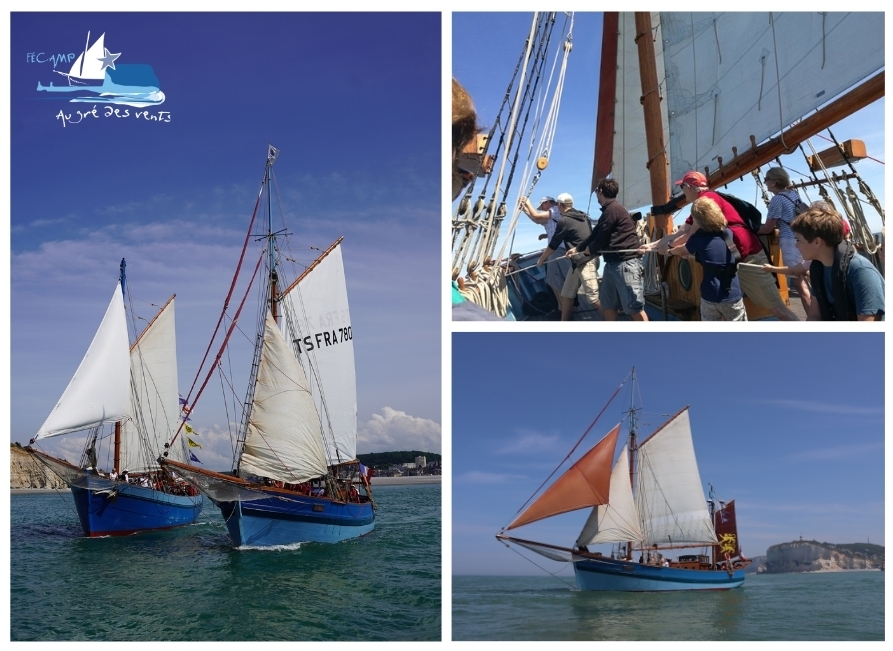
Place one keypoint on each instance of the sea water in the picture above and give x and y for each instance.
(192, 584)
(815, 606)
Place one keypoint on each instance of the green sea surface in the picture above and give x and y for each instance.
(192, 584)
(815, 606)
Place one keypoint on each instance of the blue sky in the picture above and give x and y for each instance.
(790, 425)
(486, 48)
(357, 122)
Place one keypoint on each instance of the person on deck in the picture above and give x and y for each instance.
(756, 285)
(573, 228)
(713, 247)
(547, 215)
(780, 213)
(846, 286)
(614, 236)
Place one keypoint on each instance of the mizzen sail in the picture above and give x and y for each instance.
(584, 484)
(99, 392)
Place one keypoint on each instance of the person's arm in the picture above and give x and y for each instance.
(814, 313)
(868, 291)
(799, 269)
(537, 216)
(545, 256)
(663, 243)
(768, 227)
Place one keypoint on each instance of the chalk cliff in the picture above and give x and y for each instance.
(812, 556)
(27, 472)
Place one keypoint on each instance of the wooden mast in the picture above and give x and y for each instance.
(658, 164)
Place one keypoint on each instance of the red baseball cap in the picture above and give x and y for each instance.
(694, 179)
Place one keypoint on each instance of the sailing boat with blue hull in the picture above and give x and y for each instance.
(666, 511)
(295, 477)
(134, 390)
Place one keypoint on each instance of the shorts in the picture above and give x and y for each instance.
(757, 285)
(557, 269)
(723, 311)
(790, 255)
(584, 276)
(623, 286)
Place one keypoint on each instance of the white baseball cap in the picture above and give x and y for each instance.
(564, 197)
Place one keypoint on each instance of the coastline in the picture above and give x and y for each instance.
(395, 481)
(376, 481)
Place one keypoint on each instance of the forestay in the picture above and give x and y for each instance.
(99, 392)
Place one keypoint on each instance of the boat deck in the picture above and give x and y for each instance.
(585, 312)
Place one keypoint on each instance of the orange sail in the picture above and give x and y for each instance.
(585, 484)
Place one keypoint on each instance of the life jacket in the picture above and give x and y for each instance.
(844, 306)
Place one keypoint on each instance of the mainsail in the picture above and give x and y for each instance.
(669, 495)
(99, 392)
(323, 338)
(155, 398)
(282, 441)
(89, 63)
(730, 81)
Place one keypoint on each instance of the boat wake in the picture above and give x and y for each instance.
(271, 548)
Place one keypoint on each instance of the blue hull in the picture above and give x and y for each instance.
(627, 576)
(109, 508)
(277, 521)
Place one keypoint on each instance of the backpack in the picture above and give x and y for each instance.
(799, 205)
(749, 213)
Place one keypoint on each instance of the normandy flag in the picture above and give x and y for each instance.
(192, 443)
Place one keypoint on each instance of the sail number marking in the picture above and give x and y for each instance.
(324, 339)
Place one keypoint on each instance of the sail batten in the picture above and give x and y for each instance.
(283, 441)
(584, 484)
(99, 391)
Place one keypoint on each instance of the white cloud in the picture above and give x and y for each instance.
(527, 442)
(478, 477)
(396, 430)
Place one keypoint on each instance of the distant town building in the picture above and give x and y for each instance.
(420, 462)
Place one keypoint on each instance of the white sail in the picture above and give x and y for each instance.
(88, 65)
(630, 154)
(618, 520)
(283, 440)
(730, 76)
(155, 397)
(669, 495)
(324, 343)
(99, 392)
